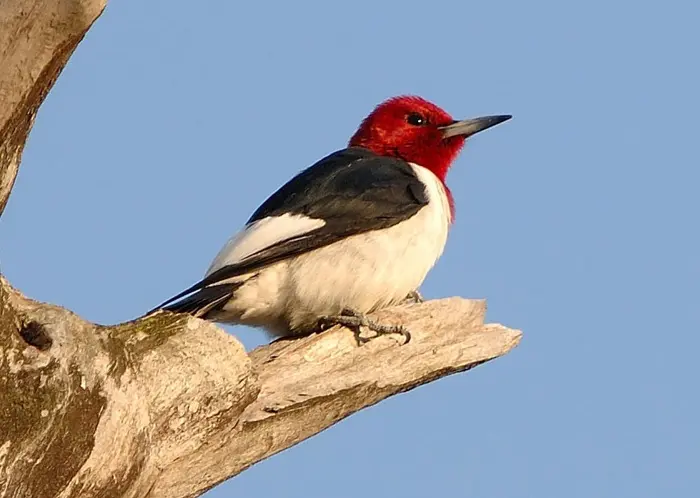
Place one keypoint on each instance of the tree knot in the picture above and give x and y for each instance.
(35, 334)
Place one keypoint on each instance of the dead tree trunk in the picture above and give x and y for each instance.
(168, 406)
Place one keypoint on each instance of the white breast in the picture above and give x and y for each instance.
(371, 270)
(438, 212)
(362, 272)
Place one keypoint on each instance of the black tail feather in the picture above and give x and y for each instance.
(201, 302)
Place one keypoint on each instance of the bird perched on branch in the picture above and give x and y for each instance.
(356, 232)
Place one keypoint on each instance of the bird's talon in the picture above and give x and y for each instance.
(413, 297)
(391, 329)
(406, 333)
(355, 321)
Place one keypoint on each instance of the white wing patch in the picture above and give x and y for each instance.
(262, 234)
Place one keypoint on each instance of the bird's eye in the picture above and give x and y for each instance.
(415, 119)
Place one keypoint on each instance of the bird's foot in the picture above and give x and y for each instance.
(355, 320)
(413, 297)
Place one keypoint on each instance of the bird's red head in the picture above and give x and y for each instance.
(409, 127)
(419, 132)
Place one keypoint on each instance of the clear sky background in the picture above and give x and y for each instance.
(577, 220)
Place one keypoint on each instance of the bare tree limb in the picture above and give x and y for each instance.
(36, 39)
(168, 406)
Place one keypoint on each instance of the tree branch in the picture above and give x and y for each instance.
(168, 406)
(36, 39)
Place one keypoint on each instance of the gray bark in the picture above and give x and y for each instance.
(168, 406)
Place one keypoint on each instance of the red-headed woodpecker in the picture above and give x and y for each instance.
(356, 232)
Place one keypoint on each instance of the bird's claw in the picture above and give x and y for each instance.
(355, 321)
(413, 297)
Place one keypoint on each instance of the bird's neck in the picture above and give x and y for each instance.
(450, 202)
(438, 165)
(448, 194)
(438, 180)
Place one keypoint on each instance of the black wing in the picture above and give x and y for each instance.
(353, 190)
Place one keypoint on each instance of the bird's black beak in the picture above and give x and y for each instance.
(469, 127)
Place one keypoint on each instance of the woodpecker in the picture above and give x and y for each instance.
(355, 232)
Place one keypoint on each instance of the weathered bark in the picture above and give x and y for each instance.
(36, 39)
(168, 406)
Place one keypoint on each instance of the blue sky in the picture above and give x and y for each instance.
(577, 220)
